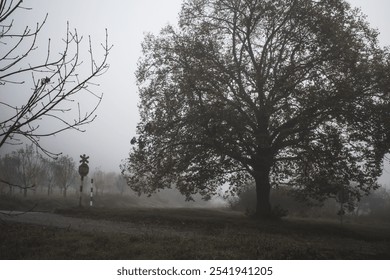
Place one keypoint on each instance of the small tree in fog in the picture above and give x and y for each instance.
(65, 173)
(98, 181)
(285, 92)
(28, 169)
(49, 165)
(120, 184)
(8, 172)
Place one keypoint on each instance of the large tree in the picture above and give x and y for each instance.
(292, 92)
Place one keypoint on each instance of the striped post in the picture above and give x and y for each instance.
(91, 197)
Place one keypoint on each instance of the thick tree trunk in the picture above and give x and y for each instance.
(263, 190)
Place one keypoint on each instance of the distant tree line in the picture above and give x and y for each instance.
(26, 174)
(25, 171)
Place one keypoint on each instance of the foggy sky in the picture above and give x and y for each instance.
(107, 139)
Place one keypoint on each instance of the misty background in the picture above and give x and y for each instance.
(107, 139)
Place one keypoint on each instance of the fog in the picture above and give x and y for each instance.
(107, 139)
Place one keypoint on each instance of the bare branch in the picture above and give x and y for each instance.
(56, 82)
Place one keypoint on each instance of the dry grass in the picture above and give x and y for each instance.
(203, 234)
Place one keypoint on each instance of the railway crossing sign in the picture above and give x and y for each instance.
(84, 168)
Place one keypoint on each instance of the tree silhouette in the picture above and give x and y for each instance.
(22, 169)
(285, 92)
(44, 107)
(65, 173)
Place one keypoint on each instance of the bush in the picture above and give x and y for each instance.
(280, 197)
(373, 208)
(285, 204)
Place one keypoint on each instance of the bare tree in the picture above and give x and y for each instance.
(120, 184)
(99, 181)
(65, 173)
(56, 82)
(27, 169)
(8, 167)
(49, 167)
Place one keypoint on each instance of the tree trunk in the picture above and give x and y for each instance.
(263, 190)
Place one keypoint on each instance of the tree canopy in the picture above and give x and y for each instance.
(291, 92)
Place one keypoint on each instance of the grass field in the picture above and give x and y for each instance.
(192, 233)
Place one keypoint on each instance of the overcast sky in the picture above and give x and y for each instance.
(107, 139)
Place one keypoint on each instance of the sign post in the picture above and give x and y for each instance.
(83, 171)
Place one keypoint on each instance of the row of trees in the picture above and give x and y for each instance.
(27, 171)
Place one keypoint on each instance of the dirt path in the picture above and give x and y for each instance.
(89, 225)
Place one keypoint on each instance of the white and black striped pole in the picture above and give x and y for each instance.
(91, 197)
